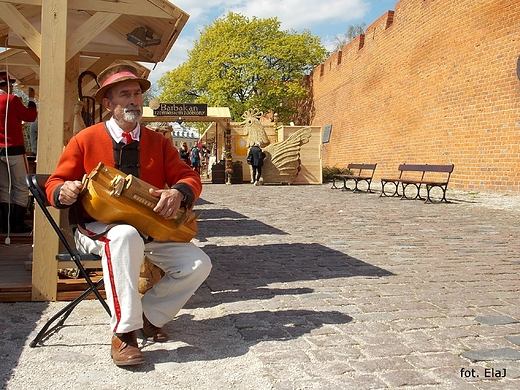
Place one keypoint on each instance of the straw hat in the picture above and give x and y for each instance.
(117, 74)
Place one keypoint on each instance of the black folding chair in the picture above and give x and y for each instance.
(82, 261)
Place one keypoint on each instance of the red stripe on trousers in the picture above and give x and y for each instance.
(117, 306)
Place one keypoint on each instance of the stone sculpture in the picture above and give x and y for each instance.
(282, 163)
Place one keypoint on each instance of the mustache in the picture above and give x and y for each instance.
(132, 108)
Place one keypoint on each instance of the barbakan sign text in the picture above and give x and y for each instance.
(170, 109)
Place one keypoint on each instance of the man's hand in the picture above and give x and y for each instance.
(69, 192)
(31, 93)
(169, 202)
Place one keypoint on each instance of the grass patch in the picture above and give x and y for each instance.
(328, 172)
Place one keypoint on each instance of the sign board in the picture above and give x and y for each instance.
(326, 133)
(169, 109)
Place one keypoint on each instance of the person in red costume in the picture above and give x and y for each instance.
(13, 161)
(123, 143)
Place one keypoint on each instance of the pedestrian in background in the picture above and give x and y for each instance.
(13, 161)
(185, 153)
(255, 158)
(195, 158)
(33, 136)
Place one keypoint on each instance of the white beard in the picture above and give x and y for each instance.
(130, 115)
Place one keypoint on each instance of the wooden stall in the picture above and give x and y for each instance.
(54, 41)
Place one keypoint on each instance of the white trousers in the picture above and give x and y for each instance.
(16, 166)
(122, 251)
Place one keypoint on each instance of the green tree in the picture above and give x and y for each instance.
(150, 94)
(243, 63)
(352, 31)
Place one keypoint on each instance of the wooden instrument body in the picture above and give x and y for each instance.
(110, 196)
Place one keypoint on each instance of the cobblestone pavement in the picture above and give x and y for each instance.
(313, 288)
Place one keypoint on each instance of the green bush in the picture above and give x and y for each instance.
(328, 172)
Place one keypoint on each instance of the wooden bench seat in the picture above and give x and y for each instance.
(419, 175)
(359, 173)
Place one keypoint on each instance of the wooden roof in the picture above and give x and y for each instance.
(26, 70)
(96, 29)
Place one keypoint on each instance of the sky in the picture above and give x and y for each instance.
(323, 18)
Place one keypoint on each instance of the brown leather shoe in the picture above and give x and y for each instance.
(152, 331)
(125, 351)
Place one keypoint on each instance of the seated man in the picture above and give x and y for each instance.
(123, 143)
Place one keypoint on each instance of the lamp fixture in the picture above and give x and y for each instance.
(142, 37)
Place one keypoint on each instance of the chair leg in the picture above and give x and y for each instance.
(92, 286)
(64, 314)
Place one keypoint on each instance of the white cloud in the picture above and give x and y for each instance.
(293, 14)
(300, 14)
(297, 14)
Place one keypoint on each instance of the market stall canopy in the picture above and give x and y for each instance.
(23, 67)
(139, 30)
(96, 29)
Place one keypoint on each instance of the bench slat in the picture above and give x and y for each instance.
(426, 168)
(362, 166)
(353, 177)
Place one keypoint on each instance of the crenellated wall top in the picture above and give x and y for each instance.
(406, 13)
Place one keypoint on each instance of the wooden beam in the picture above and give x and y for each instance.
(50, 141)
(96, 24)
(19, 57)
(10, 53)
(115, 56)
(25, 30)
(26, 2)
(71, 97)
(170, 40)
(35, 58)
(146, 8)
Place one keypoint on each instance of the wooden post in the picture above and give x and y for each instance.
(50, 141)
(71, 97)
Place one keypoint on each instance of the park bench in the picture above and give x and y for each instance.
(419, 175)
(357, 173)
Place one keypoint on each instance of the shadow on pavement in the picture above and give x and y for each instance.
(229, 223)
(255, 327)
(245, 272)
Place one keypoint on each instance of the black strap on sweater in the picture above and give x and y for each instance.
(126, 159)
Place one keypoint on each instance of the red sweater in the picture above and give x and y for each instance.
(160, 163)
(16, 113)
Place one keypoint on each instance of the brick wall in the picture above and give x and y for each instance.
(433, 81)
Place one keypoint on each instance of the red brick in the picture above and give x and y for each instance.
(432, 82)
